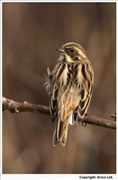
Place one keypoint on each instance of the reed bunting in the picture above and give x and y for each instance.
(69, 86)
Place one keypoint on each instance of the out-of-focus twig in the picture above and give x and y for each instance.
(16, 107)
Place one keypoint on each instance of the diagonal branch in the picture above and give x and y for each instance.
(16, 107)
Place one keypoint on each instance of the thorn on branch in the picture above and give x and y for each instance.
(113, 116)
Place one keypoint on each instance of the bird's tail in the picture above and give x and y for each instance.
(61, 131)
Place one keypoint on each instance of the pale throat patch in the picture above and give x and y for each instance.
(68, 58)
(65, 57)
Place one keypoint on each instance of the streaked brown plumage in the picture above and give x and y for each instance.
(70, 87)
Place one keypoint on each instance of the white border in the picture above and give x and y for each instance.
(58, 176)
(47, 176)
(57, 1)
(1, 87)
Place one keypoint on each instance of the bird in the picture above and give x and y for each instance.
(70, 87)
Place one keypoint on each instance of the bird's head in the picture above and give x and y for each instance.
(71, 52)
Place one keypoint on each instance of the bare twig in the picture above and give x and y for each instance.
(15, 107)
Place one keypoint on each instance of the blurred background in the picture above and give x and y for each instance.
(31, 34)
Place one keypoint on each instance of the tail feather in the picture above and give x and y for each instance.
(61, 131)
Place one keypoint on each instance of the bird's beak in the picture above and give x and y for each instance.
(61, 50)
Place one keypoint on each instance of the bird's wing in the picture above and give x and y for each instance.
(52, 90)
(55, 85)
(53, 102)
(85, 91)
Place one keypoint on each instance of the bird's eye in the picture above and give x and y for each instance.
(72, 50)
